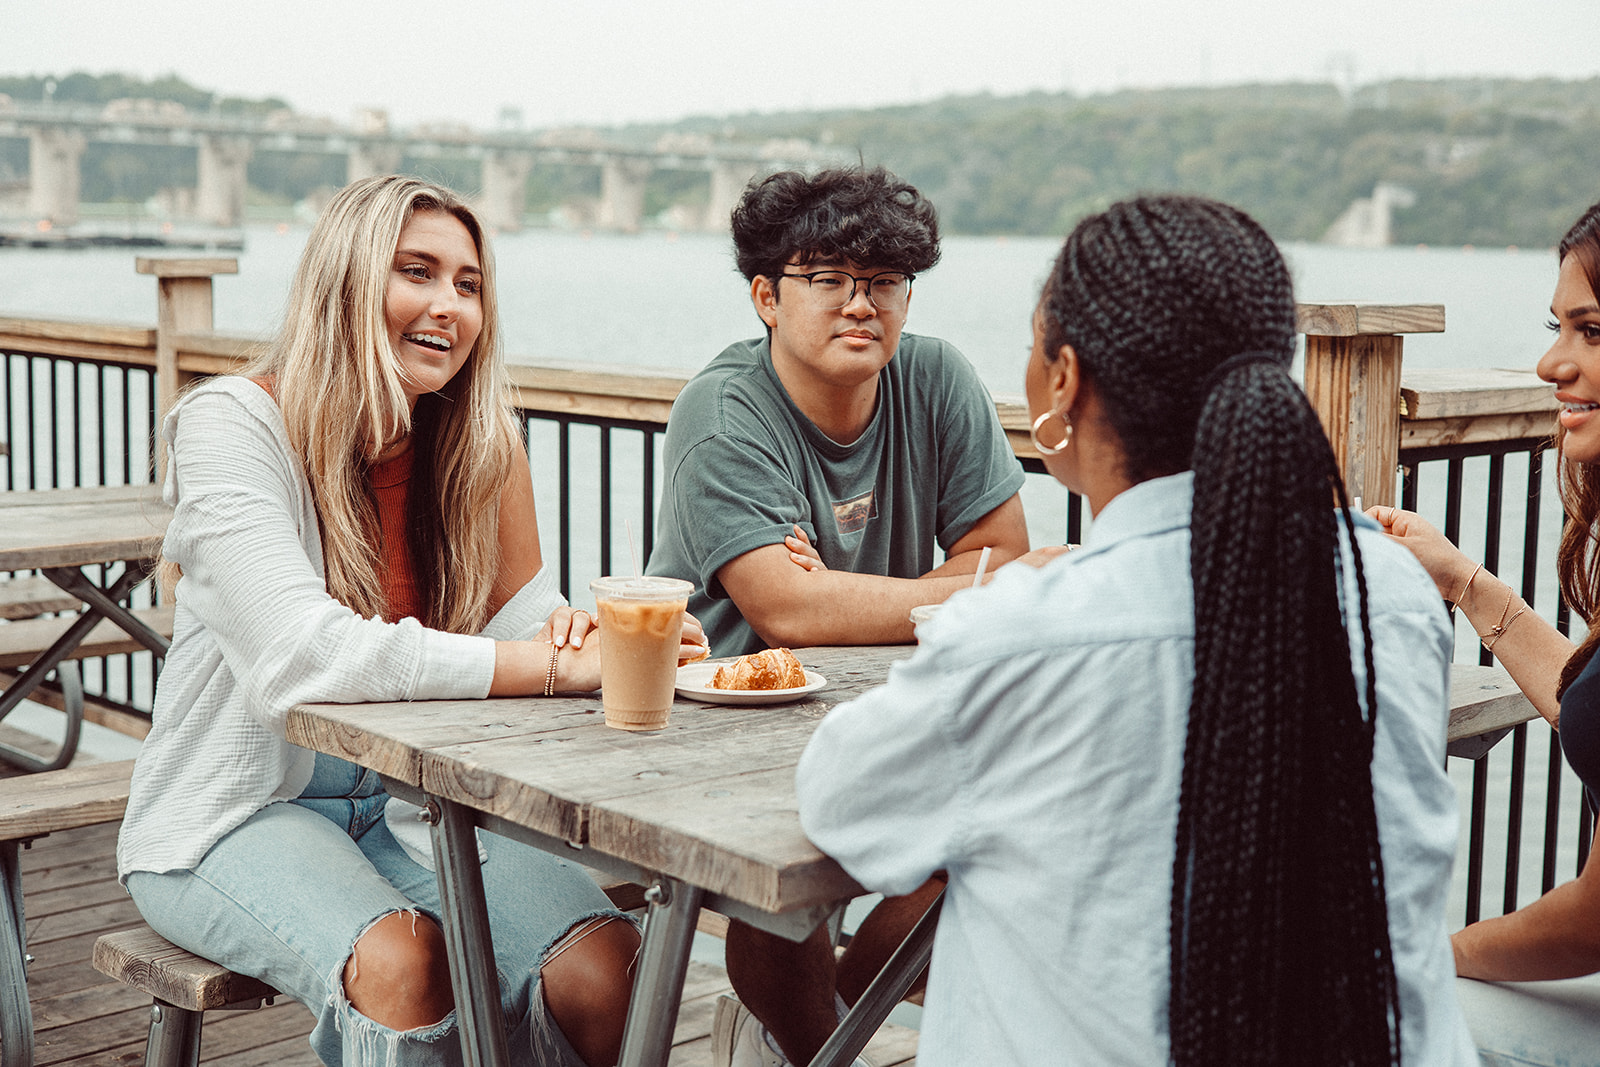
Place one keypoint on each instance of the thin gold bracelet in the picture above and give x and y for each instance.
(550, 672)
(1468, 585)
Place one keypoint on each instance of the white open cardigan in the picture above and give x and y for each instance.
(255, 633)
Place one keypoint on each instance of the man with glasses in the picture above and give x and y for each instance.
(809, 475)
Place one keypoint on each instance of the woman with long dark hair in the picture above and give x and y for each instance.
(1189, 777)
(1558, 935)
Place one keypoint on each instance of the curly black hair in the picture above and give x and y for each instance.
(1181, 313)
(866, 217)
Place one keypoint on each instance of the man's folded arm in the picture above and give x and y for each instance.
(787, 604)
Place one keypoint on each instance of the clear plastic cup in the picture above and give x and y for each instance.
(923, 612)
(641, 626)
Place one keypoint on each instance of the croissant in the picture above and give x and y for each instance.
(773, 668)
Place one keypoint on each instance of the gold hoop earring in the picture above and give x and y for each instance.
(1066, 436)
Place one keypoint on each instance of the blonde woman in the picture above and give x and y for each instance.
(354, 521)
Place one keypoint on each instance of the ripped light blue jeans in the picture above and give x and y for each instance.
(285, 897)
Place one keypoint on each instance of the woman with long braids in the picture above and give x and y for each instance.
(1189, 777)
(1558, 935)
(354, 521)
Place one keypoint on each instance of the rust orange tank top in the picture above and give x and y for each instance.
(391, 483)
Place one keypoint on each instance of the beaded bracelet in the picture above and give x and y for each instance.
(550, 672)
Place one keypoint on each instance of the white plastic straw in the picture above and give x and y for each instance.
(983, 565)
(632, 553)
(1359, 508)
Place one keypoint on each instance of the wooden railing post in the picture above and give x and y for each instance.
(1353, 357)
(183, 305)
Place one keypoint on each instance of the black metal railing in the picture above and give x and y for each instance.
(1496, 500)
(576, 442)
(71, 421)
(552, 434)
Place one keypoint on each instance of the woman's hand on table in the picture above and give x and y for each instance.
(1446, 564)
(578, 666)
(521, 668)
(694, 645)
(566, 626)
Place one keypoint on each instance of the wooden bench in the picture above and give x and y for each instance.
(23, 598)
(31, 806)
(182, 988)
(21, 641)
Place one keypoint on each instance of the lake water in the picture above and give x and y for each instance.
(674, 300)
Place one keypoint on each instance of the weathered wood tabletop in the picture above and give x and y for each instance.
(710, 799)
(1485, 704)
(706, 805)
(79, 527)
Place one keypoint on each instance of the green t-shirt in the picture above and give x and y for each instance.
(743, 465)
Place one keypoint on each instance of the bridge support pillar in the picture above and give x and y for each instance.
(622, 180)
(219, 198)
(728, 181)
(372, 157)
(54, 176)
(505, 189)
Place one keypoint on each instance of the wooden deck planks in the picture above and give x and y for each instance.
(81, 1019)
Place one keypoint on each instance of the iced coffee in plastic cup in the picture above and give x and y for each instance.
(641, 626)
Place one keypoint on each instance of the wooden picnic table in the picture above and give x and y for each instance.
(703, 812)
(59, 532)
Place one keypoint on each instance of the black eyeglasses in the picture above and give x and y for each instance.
(832, 289)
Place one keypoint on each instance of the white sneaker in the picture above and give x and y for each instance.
(739, 1040)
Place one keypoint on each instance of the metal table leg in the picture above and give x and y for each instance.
(886, 990)
(674, 908)
(466, 931)
(107, 602)
(71, 683)
(16, 1017)
(102, 603)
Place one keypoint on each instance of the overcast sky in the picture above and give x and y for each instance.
(608, 61)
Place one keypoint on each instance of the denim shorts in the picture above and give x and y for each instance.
(285, 896)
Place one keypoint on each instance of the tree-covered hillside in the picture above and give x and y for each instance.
(1490, 162)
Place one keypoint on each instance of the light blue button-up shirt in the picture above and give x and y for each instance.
(1033, 747)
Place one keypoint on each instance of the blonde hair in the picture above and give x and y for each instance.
(338, 383)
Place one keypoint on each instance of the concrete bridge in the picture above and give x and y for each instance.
(58, 134)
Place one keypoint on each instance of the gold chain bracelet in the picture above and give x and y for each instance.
(1495, 632)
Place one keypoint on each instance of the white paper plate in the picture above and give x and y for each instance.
(694, 679)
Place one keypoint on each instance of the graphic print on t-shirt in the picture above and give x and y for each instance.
(852, 515)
